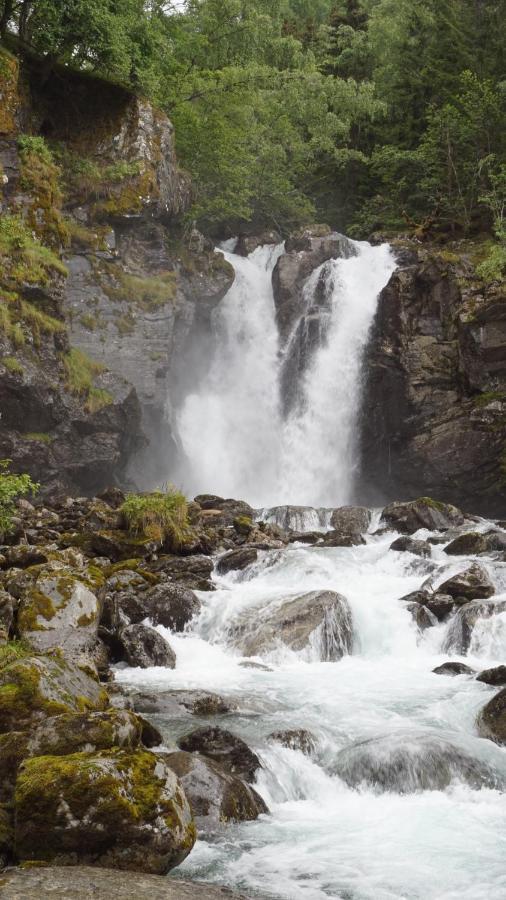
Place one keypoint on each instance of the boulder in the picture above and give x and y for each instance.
(342, 539)
(237, 559)
(103, 884)
(318, 620)
(420, 596)
(33, 688)
(408, 762)
(22, 556)
(467, 544)
(409, 545)
(230, 752)
(221, 512)
(192, 571)
(215, 796)
(492, 719)
(174, 703)
(143, 647)
(441, 606)
(76, 732)
(123, 809)
(60, 612)
(495, 676)
(7, 606)
(453, 668)
(422, 513)
(295, 739)
(305, 537)
(472, 584)
(460, 629)
(119, 545)
(351, 519)
(422, 616)
(171, 605)
(248, 243)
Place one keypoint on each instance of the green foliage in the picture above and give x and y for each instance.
(34, 145)
(23, 258)
(81, 372)
(12, 365)
(11, 487)
(160, 516)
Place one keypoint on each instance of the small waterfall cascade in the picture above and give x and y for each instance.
(279, 425)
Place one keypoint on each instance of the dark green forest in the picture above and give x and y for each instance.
(373, 115)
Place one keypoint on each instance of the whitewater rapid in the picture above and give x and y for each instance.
(323, 839)
(234, 431)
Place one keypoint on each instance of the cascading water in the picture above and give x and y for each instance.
(248, 430)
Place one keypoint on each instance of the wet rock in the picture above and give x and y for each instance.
(104, 884)
(492, 719)
(35, 687)
(405, 763)
(466, 544)
(454, 668)
(496, 540)
(495, 676)
(409, 545)
(142, 646)
(472, 584)
(192, 571)
(440, 605)
(461, 628)
(351, 519)
(422, 616)
(248, 664)
(170, 605)
(318, 620)
(295, 739)
(305, 537)
(422, 513)
(125, 810)
(220, 513)
(236, 559)
(215, 795)
(247, 243)
(415, 597)
(342, 539)
(230, 752)
(119, 545)
(173, 703)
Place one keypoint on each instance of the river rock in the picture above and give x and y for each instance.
(171, 605)
(422, 616)
(467, 544)
(237, 559)
(453, 668)
(408, 762)
(35, 687)
(342, 539)
(409, 545)
(247, 243)
(192, 571)
(440, 605)
(295, 739)
(492, 719)
(144, 647)
(318, 619)
(472, 584)
(230, 752)
(495, 676)
(422, 513)
(124, 809)
(173, 703)
(214, 794)
(420, 596)
(352, 519)
(305, 537)
(460, 629)
(103, 884)
(78, 732)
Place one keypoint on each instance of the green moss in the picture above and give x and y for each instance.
(40, 436)
(12, 651)
(434, 504)
(88, 321)
(148, 293)
(39, 178)
(23, 258)
(80, 374)
(12, 365)
(489, 397)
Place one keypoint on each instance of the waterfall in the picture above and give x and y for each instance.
(280, 425)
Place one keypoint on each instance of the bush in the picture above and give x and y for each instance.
(160, 516)
(493, 268)
(11, 487)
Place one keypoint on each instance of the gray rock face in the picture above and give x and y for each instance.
(467, 543)
(492, 719)
(215, 795)
(409, 762)
(103, 884)
(319, 618)
(228, 750)
(144, 647)
(434, 347)
(472, 584)
(422, 513)
(460, 631)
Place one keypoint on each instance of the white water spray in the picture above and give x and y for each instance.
(235, 437)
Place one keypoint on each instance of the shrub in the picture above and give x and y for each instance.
(493, 268)
(161, 516)
(11, 487)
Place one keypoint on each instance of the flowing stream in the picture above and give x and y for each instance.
(399, 798)
(237, 437)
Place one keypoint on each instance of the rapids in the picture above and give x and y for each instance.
(323, 838)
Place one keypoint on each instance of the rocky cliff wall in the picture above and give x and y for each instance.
(434, 417)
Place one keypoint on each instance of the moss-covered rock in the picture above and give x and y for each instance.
(6, 836)
(422, 513)
(13, 750)
(119, 545)
(33, 688)
(122, 809)
(91, 732)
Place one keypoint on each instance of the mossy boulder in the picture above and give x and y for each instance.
(60, 611)
(6, 838)
(215, 795)
(121, 809)
(464, 544)
(170, 605)
(120, 545)
(77, 732)
(422, 513)
(33, 688)
(13, 750)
